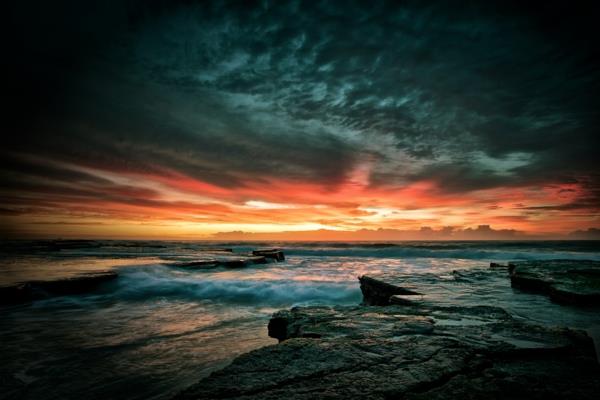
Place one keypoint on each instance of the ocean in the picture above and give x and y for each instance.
(159, 328)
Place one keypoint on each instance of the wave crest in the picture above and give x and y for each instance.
(143, 283)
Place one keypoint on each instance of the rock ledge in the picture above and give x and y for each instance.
(574, 282)
(408, 352)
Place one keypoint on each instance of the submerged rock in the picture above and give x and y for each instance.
(377, 291)
(565, 281)
(36, 290)
(408, 352)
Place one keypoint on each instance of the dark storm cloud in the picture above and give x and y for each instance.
(24, 169)
(472, 96)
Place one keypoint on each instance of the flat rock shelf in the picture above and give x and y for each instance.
(565, 281)
(372, 352)
(395, 346)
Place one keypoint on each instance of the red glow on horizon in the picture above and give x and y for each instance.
(179, 206)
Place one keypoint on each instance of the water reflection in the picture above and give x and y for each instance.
(158, 329)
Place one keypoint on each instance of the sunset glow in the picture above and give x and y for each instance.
(133, 205)
(202, 121)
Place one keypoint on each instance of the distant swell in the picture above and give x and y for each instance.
(459, 253)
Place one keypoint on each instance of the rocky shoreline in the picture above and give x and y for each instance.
(396, 346)
(79, 283)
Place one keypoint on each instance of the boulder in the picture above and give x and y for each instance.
(377, 291)
(408, 352)
(575, 282)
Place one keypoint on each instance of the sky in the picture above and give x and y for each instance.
(301, 119)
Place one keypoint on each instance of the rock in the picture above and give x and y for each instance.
(225, 257)
(377, 292)
(216, 250)
(197, 264)
(35, 290)
(257, 260)
(403, 299)
(274, 254)
(408, 352)
(494, 265)
(229, 262)
(574, 282)
(242, 261)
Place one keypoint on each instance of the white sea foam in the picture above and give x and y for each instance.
(145, 282)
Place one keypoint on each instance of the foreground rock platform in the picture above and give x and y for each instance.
(36, 290)
(408, 352)
(575, 282)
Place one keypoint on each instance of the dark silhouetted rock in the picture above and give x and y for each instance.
(35, 290)
(377, 291)
(565, 281)
(494, 265)
(216, 249)
(408, 352)
(240, 261)
(403, 299)
(225, 257)
(197, 264)
(257, 259)
(274, 254)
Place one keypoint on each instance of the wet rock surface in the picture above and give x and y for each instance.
(377, 291)
(400, 344)
(36, 290)
(408, 352)
(574, 282)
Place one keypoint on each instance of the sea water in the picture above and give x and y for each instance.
(158, 329)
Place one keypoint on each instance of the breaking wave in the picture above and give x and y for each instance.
(150, 282)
